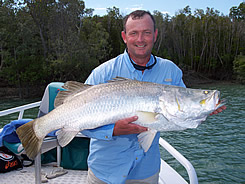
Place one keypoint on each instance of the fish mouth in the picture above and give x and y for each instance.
(218, 101)
(216, 98)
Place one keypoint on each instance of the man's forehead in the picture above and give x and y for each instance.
(130, 21)
(135, 17)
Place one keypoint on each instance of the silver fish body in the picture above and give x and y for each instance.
(159, 107)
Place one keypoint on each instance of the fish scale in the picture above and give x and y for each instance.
(158, 107)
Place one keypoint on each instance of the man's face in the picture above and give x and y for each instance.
(139, 37)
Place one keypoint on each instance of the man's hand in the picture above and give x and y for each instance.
(125, 127)
(219, 110)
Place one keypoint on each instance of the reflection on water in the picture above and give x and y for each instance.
(215, 149)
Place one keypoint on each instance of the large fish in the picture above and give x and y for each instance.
(159, 107)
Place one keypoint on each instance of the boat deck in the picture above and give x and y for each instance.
(27, 176)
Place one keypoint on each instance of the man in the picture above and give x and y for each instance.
(115, 154)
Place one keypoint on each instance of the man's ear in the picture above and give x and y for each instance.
(123, 34)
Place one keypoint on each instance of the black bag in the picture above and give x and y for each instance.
(8, 160)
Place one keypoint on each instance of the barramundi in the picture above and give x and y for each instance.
(158, 107)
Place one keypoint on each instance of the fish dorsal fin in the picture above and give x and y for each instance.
(74, 86)
(119, 79)
(71, 89)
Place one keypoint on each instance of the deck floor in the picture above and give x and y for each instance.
(27, 176)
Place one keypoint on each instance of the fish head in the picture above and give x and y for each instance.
(189, 107)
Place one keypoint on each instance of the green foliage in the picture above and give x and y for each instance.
(239, 68)
(238, 12)
(45, 41)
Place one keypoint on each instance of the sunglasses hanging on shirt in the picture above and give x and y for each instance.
(142, 68)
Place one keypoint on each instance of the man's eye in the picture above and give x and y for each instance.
(133, 33)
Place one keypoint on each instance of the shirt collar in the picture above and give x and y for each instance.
(129, 64)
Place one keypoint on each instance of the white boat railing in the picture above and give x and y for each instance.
(20, 109)
(181, 159)
(178, 156)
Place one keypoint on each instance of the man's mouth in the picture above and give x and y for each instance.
(140, 46)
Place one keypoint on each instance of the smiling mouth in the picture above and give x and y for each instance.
(140, 46)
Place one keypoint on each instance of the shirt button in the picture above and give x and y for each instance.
(136, 158)
(106, 137)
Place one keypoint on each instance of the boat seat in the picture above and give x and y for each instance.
(16, 148)
(50, 93)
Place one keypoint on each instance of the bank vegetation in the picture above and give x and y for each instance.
(60, 40)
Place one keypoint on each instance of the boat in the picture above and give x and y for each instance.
(33, 174)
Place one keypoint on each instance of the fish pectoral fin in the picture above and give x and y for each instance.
(146, 117)
(65, 136)
(146, 138)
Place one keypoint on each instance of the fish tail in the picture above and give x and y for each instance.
(29, 139)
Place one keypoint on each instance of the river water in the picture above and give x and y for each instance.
(216, 148)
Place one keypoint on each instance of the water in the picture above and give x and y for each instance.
(215, 149)
(10, 103)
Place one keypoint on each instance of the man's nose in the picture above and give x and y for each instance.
(140, 37)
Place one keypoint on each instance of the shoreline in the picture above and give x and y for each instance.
(34, 92)
(211, 82)
(24, 93)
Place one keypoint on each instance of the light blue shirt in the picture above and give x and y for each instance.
(113, 159)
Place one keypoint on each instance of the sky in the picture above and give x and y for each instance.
(164, 6)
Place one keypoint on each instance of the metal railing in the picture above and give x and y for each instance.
(20, 109)
(181, 159)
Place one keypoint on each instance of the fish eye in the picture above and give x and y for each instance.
(205, 92)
